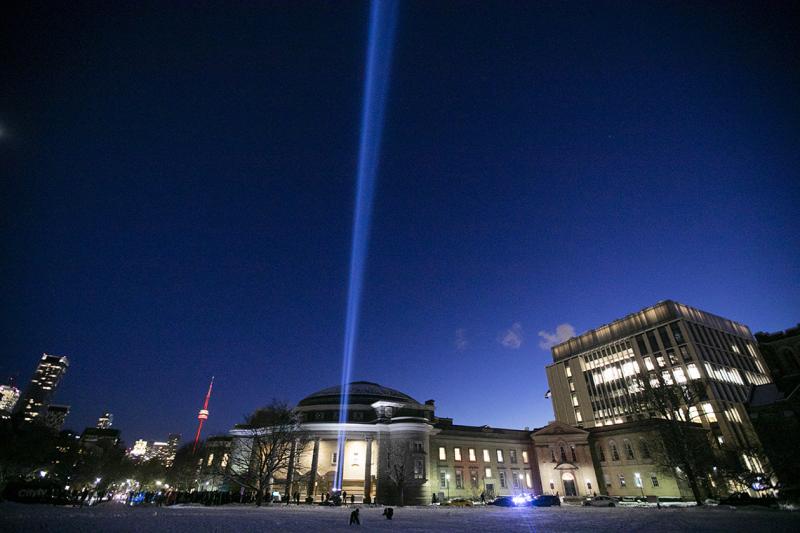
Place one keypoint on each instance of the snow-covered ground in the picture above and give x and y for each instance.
(311, 519)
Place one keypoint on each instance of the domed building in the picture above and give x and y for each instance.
(396, 450)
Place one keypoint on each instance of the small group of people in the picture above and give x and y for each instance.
(356, 520)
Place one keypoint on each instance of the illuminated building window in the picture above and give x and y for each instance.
(499, 456)
(621, 478)
(637, 479)
(709, 411)
(691, 368)
(568, 370)
(457, 454)
(486, 456)
(648, 363)
(442, 453)
(472, 455)
(487, 472)
(578, 416)
(473, 478)
(224, 461)
(210, 459)
(525, 457)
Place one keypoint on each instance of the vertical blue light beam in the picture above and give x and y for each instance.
(382, 23)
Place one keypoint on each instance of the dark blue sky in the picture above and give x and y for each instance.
(177, 194)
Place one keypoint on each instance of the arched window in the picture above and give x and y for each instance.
(644, 449)
(614, 451)
(552, 455)
(628, 450)
(574, 455)
(563, 454)
(601, 454)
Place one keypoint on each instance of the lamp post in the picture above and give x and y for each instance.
(447, 482)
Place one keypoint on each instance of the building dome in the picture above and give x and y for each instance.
(361, 393)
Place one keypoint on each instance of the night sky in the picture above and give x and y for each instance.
(177, 194)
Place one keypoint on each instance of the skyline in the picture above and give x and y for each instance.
(179, 190)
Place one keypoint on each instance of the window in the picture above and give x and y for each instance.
(614, 452)
(588, 486)
(502, 479)
(472, 455)
(568, 370)
(224, 462)
(486, 456)
(571, 386)
(578, 416)
(628, 450)
(652, 340)
(676, 332)
(457, 454)
(621, 480)
(419, 447)
(640, 343)
(473, 478)
(442, 479)
(665, 340)
(574, 455)
(334, 456)
(637, 479)
(574, 400)
(442, 453)
(512, 456)
(459, 478)
(601, 454)
(607, 480)
(499, 456)
(709, 411)
(654, 480)
(648, 362)
(488, 472)
(515, 479)
(552, 455)
(210, 459)
(528, 479)
(552, 485)
(644, 449)
(525, 457)
(419, 469)
(691, 368)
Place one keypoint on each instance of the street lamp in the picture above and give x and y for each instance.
(447, 482)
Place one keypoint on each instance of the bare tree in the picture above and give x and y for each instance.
(678, 445)
(270, 441)
(400, 469)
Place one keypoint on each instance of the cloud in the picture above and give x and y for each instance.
(512, 337)
(461, 341)
(550, 339)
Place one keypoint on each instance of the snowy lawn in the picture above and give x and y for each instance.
(310, 519)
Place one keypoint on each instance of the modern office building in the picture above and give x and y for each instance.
(9, 395)
(595, 377)
(105, 421)
(173, 442)
(48, 375)
(139, 449)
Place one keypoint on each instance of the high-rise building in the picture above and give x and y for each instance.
(139, 448)
(9, 395)
(105, 421)
(595, 377)
(173, 441)
(45, 380)
(55, 416)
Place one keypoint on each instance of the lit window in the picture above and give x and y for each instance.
(499, 456)
(720, 440)
(569, 372)
(457, 454)
(486, 456)
(572, 386)
(442, 454)
(473, 477)
(637, 479)
(488, 472)
(709, 411)
(578, 416)
(575, 400)
(588, 486)
(693, 414)
(210, 459)
(224, 461)
(472, 455)
(621, 478)
(680, 377)
(648, 363)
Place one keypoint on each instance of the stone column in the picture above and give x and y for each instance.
(368, 472)
(312, 479)
(290, 471)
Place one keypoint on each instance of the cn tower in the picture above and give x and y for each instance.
(202, 416)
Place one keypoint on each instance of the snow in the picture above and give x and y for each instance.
(308, 519)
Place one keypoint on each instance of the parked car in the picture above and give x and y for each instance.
(460, 502)
(601, 501)
(504, 501)
(545, 500)
(742, 498)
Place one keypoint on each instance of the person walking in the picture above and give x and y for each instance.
(354, 518)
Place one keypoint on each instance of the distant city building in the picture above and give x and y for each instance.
(99, 439)
(214, 462)
(9, 395)
(157, 451)
(55, 415)
(105, 421)
(45, 380)
(139, 448)
(173, 442)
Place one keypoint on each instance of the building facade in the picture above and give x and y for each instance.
(595, 377)
(48, 375)
(55, 416)
(9, 395)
